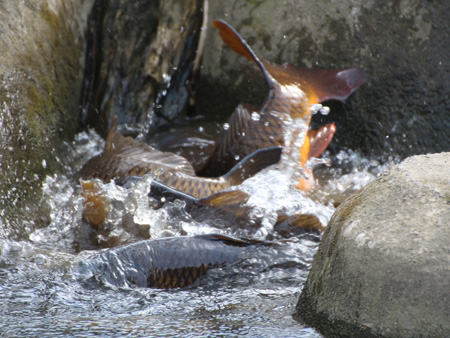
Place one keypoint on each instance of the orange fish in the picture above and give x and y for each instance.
(292, 93)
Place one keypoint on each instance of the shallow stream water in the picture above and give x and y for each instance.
(41, 294)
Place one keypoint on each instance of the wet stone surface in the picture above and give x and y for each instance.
(41, 68)
(382, 267)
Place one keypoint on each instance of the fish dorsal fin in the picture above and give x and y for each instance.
(252, 164)
(233, 40)
(122, 155)
(237, 126)
(328, 84)
(140, 154)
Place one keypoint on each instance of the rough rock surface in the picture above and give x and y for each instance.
(382, 268)
(139, 60)
(41, 69)
(403, 110)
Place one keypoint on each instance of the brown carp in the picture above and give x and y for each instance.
(174, 178)
(164, 263)
(125, 156)
(293, 91)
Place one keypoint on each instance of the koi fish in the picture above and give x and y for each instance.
(292, 93)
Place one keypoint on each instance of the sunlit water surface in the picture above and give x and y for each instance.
(41, 296)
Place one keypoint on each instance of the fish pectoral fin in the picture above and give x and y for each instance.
(95, 204)
(225, 199)
(320, 139)
(230, 203)
(252, 164)
(330, 84)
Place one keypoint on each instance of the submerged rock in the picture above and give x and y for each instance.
(41, 68)
(402, 111)
(382, 267)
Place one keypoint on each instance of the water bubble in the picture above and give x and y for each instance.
(315, 108)
(39, 259)
(236, 157)
(15, 247)
(325, 110)
(226, 126)
(255, 116)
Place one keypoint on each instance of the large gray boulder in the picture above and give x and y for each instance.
(41, 70)
(403, 109)
(382, 268)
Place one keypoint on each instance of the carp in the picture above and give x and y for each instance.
(294, 93)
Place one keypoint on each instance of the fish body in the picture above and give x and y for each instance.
(164, 263)
(124, 157)
(292, 93)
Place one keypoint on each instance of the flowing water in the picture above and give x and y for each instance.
(41, 294)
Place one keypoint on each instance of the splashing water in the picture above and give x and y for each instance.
(41, 296)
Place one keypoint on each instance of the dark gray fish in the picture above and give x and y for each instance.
(164, 263)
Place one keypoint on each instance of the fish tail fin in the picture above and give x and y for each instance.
(233, 40)
(252, 164)
(332, 84)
